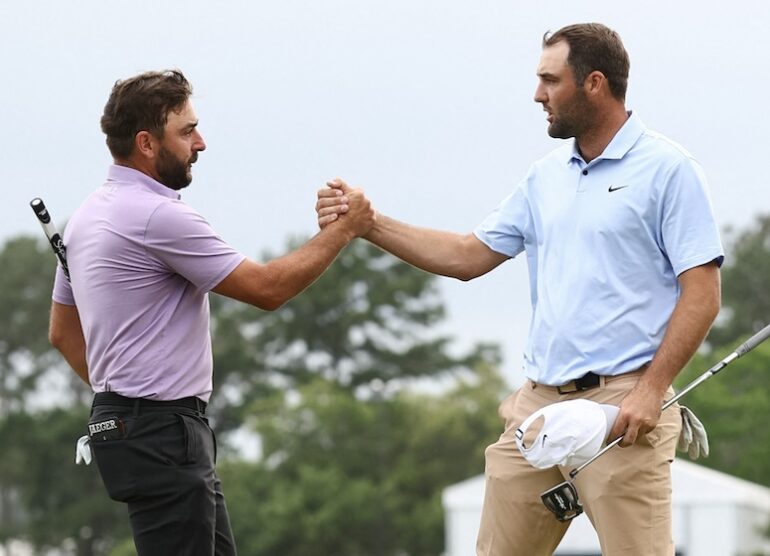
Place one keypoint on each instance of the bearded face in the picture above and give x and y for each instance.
(571, 116)
(174, 172)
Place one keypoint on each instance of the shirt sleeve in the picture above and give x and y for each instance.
(689, 231)
(62, 290)
(503, 230)
(184, 241)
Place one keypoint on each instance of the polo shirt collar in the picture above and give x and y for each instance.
(124, 174)
(624, 139)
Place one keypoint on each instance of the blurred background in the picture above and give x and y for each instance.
(343, 416)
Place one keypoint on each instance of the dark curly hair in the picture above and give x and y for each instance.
(142, 102)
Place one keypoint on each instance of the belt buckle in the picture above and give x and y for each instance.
(574, 388)
(585, 382)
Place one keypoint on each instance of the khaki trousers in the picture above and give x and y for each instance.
(626, 493)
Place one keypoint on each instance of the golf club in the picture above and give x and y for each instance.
(49, 228)
(562, 500)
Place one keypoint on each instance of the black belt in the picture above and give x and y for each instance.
(585, 382)
(111, 398)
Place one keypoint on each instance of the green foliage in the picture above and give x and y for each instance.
(734, 406)
(745, 291)
(25, 296)
(346, 476)
(59, 499)
(25, 300)
(124, 548)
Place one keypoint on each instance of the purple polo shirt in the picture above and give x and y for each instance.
(142, 263)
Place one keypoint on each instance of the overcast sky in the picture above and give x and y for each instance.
(426, 104)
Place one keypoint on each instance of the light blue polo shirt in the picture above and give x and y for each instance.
(605, 242)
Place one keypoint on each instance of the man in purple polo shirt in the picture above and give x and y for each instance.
(134, 321)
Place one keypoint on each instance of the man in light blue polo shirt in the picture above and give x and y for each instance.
(623, 254)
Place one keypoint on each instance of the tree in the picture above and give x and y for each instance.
(25, 299)
(62, 502)
(734, 405)
(346, 476)
(745, 291)
(26, 357)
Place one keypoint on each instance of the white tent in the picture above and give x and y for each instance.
(714, 514)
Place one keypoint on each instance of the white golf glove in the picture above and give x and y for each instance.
(83, 450)
(693, 438)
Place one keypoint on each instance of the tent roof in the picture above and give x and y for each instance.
(701, 485)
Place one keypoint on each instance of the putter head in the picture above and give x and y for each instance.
(562, 500)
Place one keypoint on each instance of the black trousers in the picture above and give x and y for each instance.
(159, 460)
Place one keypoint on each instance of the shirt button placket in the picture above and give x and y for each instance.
(581, 180)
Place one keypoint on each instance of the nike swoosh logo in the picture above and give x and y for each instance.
(616, 187)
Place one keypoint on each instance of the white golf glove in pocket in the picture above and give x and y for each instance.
(693, 438)
(83, 450)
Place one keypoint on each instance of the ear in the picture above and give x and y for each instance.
(595, 82)
(145, 144)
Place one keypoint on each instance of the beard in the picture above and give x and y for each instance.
(573, 119)
(174, 173)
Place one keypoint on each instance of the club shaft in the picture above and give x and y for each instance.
(744, 348)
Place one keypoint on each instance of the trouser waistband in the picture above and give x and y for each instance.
(111, 398)
(587, 382)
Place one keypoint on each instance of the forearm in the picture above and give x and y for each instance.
(75, 356)
(268, 286)
(446, 253)
(693, 315)
(291, 274)
(434, 251)
(66, 335)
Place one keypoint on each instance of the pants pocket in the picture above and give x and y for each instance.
(200, 446)
(109, 446)
(190, 437)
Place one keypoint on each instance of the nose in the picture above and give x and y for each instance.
(199, 144)
(540, 95)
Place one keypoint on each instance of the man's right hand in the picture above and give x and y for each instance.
(338, 201)
(460, 256)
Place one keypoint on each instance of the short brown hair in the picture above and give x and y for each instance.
(594, 47)
(142, 102)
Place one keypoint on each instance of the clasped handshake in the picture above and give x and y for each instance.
(340, 202)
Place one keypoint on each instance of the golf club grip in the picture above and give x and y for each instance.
(754, 341)
(50, 231)
(38, 206)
